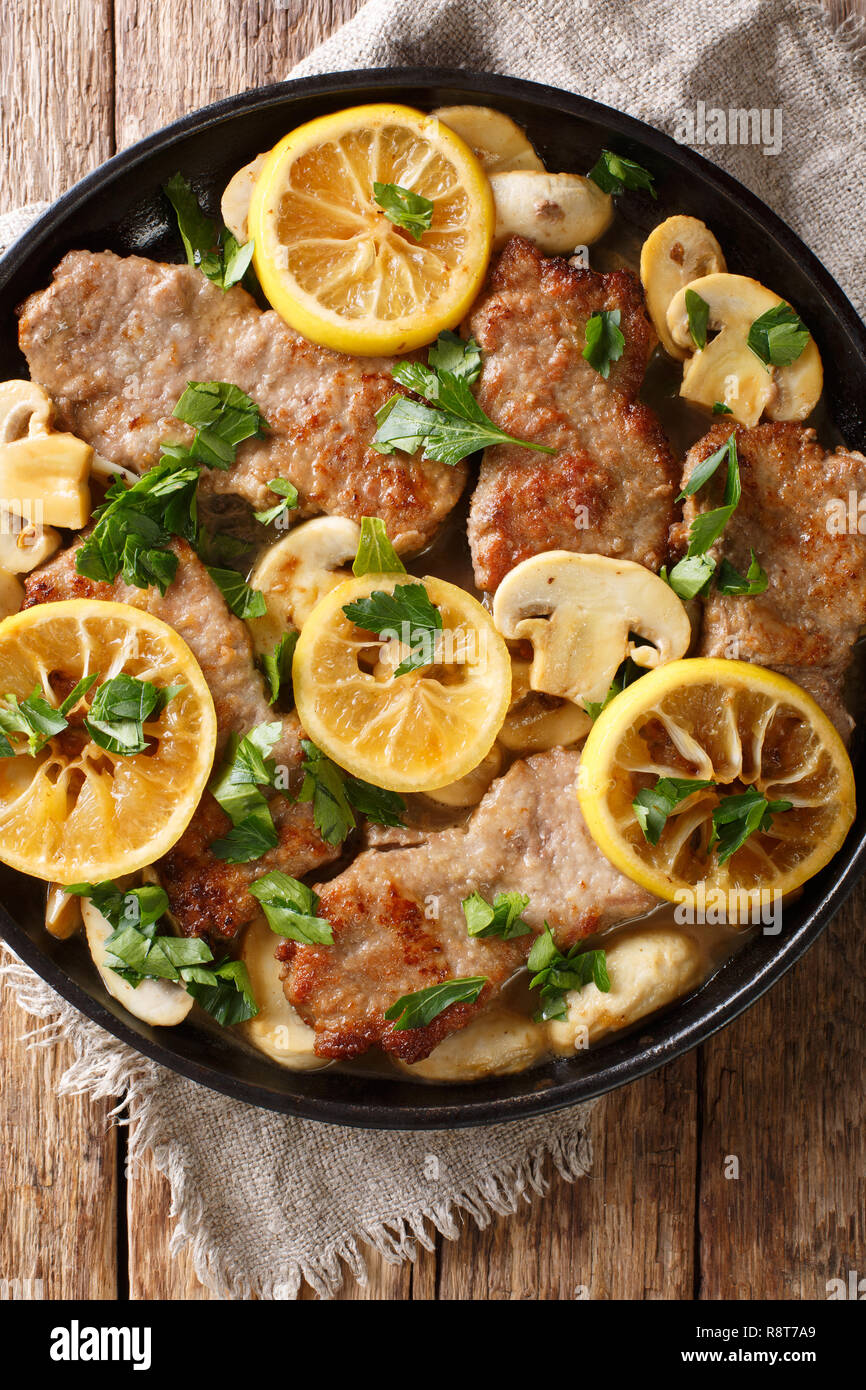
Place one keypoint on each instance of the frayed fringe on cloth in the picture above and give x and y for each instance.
(107, 1069)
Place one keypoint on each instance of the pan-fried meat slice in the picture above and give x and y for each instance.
(814, 607)
(399, 925)
(207, 895)
(115, 341)
(610, 487)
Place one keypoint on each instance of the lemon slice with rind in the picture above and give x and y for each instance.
(74, 811)
(328, 258)
(741, 727)
(413, 732)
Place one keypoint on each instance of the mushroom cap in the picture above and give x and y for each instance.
(494, 138)
(297, 571)
(557, 212)
(578, 611)
(727, 370)
(676, 252)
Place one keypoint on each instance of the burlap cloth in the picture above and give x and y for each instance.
(297, 1199)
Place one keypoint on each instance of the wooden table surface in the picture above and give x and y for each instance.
(781, 1090)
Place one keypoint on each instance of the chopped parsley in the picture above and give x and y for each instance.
(218, 255)
(279, 513)
(404, 208)
(244, 601)
(419, 1009)
(135, 524)
(375, 553)
(137, 951)
(604, 340)
(730, 581)
(739, 816)
(335, 796)
(693, 574)
(555, 974)
(500, 918)
(407, 615)
(698, 311)
(447, 422)
(277, 666)
(114, 720)
(246, 767)
(290, 908)
(614, 174)
(653, 805)
(223, 416)
(779, 336)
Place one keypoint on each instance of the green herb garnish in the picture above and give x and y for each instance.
(779, 336)
(693, 574)
(375, 553)
(218, 255)
(729, 581)
(698, 311)
(223, 416)
(614, 174)
(500, 918)
(404, 208)
(136, 522)
(137, 951)
(277, 666)
(604, 340)
(407, 615)
(419, 1009)
(246, 767)
(119, 709)
(653, 805)
(244, 601)
(448, 424)
(290, 908)
(737, 817)
(555, 974)
(288, 492)
(335, 796)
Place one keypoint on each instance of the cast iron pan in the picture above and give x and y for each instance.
(120, 208)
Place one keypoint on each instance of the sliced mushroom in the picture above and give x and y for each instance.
(535, 721)
(23, 545)
(497, 1043)
(578, 611)
(277, 1029)
(235, 205)
(469, 790)
(727, 370)
(43, 475)
(648, 969)
(494, 138)
(162, 1003)
(555, 211)
(299, 570)
(62, 912)
(675, 253)
(11, 593)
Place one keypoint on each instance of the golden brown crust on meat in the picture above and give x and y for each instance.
(407, 955)
(814, 607)
(610, 487)
(151, 328)
(210, 897)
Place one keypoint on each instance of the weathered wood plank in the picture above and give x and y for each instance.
(173, 58)
(58, 1199)
(56, 82)
(785, 1095)
(625, 1232)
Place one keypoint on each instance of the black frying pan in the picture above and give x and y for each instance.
(120, 208)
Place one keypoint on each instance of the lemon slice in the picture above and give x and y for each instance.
(330, 261)
(409, 733)
(739, 726)
(75, 811)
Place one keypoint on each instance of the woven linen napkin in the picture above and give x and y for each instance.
(305, 1198)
